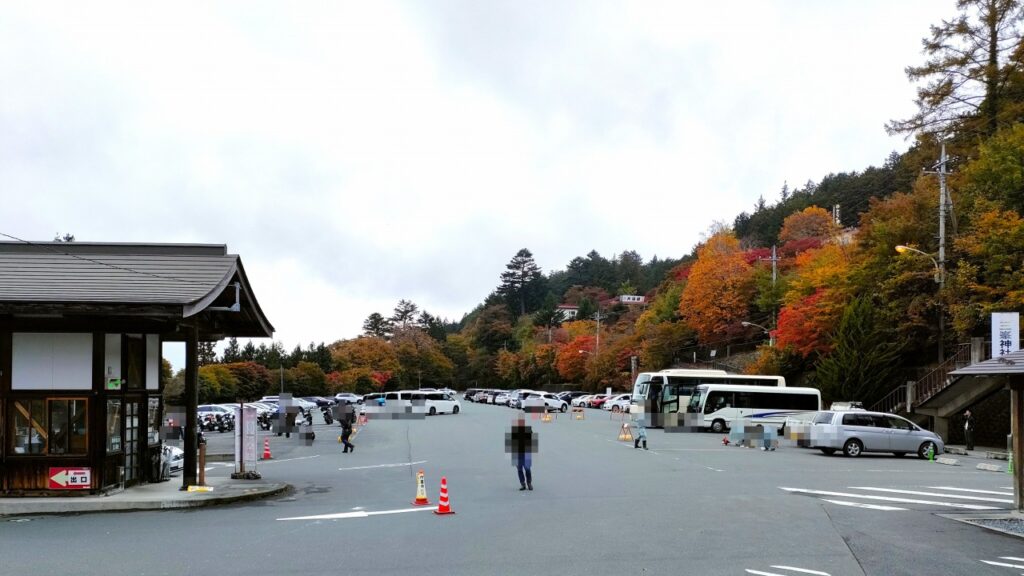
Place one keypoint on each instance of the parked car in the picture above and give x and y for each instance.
(176, 456)
(858, 431)
(598, 400)
(619, 403)
(546, 400)
(347, 398)
(481, 396)
(320, 401)
(469, 393)
(503, 398)
(440, 403)
(516, 401)
(582, 401)
(570, 395)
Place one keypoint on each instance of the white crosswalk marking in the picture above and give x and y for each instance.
(1014, 558)
(859, 505)
(918, 493)
(890, 499)
(970, 490)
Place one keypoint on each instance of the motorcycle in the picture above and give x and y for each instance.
(263, 420)
(326, 411)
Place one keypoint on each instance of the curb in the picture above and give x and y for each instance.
(948, 461)
(969, 520)
(990, 467)
(94, 506)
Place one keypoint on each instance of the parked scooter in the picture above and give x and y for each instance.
(326, 411)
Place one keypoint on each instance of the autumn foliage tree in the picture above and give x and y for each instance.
(570, 362)
(811, 222)
(718, 292)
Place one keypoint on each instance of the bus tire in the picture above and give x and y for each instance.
(718, 426)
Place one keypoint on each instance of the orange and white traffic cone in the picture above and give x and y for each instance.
(266, 449)
(421, 491)
(442, 502)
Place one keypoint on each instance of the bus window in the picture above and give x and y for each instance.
(717, 401)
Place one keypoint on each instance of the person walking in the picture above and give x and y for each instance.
(346, 433)
(969, 429)
(521, 442)
(641, 435)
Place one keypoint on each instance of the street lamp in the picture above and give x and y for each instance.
(938, 269)
(940, 279)
(771, 338)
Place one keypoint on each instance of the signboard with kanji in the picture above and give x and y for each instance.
(1005, 333)
(70, 478)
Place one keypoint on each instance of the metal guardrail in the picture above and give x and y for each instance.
(939, 379)
(894, 402)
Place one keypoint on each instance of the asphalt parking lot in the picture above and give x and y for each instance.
(689, 505)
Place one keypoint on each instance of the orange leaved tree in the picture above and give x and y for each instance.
(719, 290)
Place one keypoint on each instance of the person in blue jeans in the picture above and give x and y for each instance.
(521, 442)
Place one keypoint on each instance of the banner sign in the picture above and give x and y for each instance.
(1005, 333)
(70, 478)
(245, 438)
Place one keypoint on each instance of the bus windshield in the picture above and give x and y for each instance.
(694, 406)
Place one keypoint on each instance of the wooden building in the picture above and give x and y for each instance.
(81, 331)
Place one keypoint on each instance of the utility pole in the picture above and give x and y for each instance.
(775, 275)
(943, 204)
(597, 348)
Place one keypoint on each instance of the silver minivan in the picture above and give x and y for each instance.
(858, 431)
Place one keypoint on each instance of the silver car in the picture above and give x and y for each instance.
(856, 432)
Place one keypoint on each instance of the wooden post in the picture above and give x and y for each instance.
(1017, 429)
(188, 475)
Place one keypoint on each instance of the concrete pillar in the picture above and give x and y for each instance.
(940, 426)
(1017, 430)
(977, 350)
(910, 396)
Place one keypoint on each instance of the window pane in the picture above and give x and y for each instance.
(28, 427)
(59, 435)
(78, 424)
(113, 426)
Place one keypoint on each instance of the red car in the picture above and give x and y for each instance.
(599, 400)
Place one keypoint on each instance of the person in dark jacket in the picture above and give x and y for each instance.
(521, 442)
(969, 429)
(346, 432)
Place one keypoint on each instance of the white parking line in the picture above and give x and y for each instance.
(970, 490)
(868, 506)
(918, 493)
(384, 465)
(274, 461)
(359, 514)
(804, 570)
(760, 573)
(1004, 564)
(889, 499)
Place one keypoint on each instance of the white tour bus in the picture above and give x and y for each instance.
(668, 391)
(717, 406)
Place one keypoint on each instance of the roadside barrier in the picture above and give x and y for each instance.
(577, 411)
(442, 501)
(624, 433)
(266, 449)
(421, 491)
(546, 417)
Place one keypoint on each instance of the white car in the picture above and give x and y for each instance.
(581, 401)
(545, 400)
(618, 403)
(503, 398)
(441, 403)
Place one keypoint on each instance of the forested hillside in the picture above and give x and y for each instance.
(846, 311)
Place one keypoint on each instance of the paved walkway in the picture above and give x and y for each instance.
(157, 496)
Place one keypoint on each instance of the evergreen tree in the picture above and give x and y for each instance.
(864, 362)
(405, 313)
(232, 353)
(587, 309)
(207, 354)
(517, 279)
(249, 353)
(972, 61)
(377, 326)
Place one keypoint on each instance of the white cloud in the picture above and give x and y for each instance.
(359, 153)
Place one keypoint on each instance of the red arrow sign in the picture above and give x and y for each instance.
(70, 478)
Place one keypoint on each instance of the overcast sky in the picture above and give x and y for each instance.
(357, 153)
